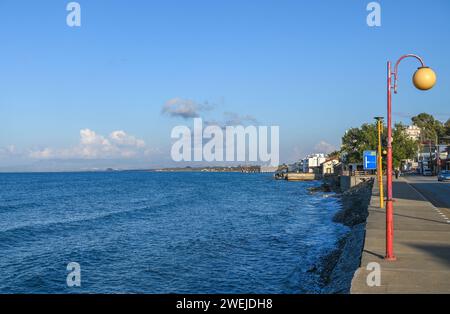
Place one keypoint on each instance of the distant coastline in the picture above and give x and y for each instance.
(244, 169)
(240, 169)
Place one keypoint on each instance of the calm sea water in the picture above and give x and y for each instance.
(142, 232)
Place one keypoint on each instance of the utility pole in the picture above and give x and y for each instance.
(437, 155)
(430, 161)
(380, 161)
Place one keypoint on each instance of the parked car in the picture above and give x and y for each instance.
(427, 173)
(444, 175)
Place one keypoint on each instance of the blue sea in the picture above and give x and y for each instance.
(147, 232)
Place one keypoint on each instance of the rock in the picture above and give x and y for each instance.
(336, 268)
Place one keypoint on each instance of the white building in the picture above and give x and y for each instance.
(413, 132)
(312, 163)
(296, 167)
(328, 165)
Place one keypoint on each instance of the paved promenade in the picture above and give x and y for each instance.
(421, 242)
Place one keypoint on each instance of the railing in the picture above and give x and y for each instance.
(361, 173)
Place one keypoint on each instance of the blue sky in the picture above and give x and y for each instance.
(312, 67)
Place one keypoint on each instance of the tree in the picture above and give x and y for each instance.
(431, 128)
(334, 154)
(403, 147)
(357, 140)
(447, 128)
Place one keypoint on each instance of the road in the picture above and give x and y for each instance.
(437, 193)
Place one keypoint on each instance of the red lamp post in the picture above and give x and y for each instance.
(423, 79)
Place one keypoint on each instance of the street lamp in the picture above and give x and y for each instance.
(424, 79)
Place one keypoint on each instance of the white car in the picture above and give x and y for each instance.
(444, 175)
(427, 173)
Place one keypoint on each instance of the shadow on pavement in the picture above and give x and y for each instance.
(412, 217)
(436, 193)
(374, 254)
(441, 251)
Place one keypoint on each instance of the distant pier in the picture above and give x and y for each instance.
(303, 176)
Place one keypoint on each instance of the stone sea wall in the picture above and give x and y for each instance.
(337, 268)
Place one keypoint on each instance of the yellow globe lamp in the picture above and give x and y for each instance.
(424, 78)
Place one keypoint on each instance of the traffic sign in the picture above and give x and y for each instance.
(370, 160)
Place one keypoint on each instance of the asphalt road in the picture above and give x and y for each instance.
(437, 193)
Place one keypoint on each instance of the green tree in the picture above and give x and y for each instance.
(334, 154)
(447, 128)
(357, 140)
(403, 147)
(431, 128)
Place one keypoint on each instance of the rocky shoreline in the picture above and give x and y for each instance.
(336, 269)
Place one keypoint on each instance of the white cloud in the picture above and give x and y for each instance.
(118, 144)
(122, 138)
(9, 150)
(324, 147)
(233, 118)
(184, 108)
(42, 154)
(89, 137)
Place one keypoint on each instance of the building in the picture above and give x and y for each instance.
(312, 163)
(413, 132)
(328, 165)
(296, 167)
(445, 163)
(410, 165)
(426, 160)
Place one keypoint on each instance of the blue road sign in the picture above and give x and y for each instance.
(370, 160)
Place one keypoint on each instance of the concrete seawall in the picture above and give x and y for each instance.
(347, 182)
